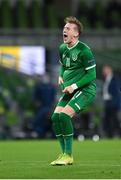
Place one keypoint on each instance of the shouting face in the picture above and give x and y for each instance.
(70, 33)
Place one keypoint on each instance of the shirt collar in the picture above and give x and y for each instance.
(73, 45)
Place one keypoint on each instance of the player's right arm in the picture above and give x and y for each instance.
(62, 68)
(60, 78)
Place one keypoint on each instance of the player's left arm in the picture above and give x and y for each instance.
(90, 76)
(90, 69)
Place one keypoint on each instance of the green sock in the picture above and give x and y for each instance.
(68, 144)
(57, 130)
(67, 131)
(62, 143)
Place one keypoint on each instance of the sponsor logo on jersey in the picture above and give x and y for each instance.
(68, 62)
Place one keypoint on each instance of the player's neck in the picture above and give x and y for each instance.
(73, 43)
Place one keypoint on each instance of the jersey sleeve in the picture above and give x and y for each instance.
(61, 50)
(87, 78)
(88, 59)
(62, 69)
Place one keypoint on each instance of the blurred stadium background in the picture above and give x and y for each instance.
(30, 33)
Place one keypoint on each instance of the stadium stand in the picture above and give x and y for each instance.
(23, 15)
(6, 14)
(38, 22)
(36, 15)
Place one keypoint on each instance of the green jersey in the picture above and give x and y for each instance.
(77, 65)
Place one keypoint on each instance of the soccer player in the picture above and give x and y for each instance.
(77, 81)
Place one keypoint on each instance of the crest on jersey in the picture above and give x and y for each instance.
(74, 57)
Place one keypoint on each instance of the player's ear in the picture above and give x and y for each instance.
(76, 34)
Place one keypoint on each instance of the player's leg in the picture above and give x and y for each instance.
(67, 130)
(57, 127)
(65, 118)
(67, 127)
(56, 122)
(57, 131)
(79, 101)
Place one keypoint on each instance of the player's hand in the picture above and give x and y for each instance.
(60, 80)
(68, 90)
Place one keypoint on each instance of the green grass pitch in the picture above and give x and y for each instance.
(30, 160)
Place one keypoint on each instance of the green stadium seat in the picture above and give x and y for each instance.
(6, 14)
(116, 18)
(36, 12)
(52, 15)
(21, 13)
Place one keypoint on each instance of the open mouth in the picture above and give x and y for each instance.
(65, 36)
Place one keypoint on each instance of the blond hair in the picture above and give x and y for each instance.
(74, 20)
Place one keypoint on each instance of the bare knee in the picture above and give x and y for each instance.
(58, 109)
(69, 111)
